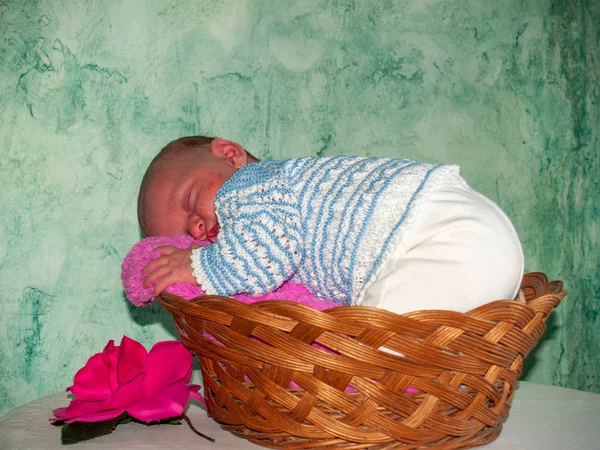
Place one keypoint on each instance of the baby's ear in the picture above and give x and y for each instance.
(232, 152)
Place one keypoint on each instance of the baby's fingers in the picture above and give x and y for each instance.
(155, 275)
(166, 249)
(163, 283)
(160, 261)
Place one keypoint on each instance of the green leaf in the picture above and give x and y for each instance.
(172, 422)
(169, 421)
(79, 431)
(125, 418)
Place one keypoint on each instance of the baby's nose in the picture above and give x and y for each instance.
(197, 229)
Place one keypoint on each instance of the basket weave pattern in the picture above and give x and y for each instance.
(283, 375)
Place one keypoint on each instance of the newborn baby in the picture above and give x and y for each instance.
(392, 233)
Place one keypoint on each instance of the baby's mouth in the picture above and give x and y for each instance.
(211, 235)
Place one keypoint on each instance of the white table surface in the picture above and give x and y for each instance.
(541, 417)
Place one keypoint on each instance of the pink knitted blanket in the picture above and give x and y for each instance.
(143, 252)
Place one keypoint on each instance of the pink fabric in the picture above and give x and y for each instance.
(143, 252)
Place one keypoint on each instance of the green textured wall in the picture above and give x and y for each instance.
(89, 91)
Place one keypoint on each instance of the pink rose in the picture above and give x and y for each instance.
(148, 386)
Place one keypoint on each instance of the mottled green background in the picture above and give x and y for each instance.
(89, 91)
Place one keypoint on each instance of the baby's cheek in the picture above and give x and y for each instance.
(212, 186)
(216, 181)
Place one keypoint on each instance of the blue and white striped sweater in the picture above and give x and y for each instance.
(328, 223)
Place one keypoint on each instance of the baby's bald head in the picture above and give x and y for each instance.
(174, 154)
(176, 161)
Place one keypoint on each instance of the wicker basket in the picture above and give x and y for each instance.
(283, 375)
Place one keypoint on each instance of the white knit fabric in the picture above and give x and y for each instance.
(328, 223)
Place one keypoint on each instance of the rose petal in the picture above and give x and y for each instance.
(168, 362)
(109, 357)
(91, 381)
(194, 388)
(79, 408)
(88, 411)
(59, 414)
(99, 416)
(128, 394)
(130, 359)
(165, 404)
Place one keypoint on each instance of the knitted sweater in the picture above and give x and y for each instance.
(328, 223)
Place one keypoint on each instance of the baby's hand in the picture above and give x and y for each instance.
(173, 265)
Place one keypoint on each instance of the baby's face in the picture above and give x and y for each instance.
(180, 199)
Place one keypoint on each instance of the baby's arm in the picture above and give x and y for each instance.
(255, 253)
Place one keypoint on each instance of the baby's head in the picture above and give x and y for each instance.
(178, 190)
